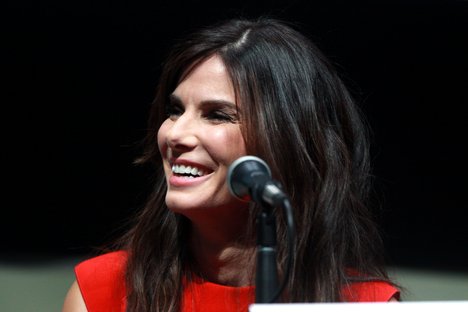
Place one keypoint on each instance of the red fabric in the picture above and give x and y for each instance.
(370, 292)
(102, 282)
(102, 285)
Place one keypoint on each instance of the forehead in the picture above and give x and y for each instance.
(209, 78)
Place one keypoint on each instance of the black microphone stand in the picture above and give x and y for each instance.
(249, 178)
(266, 279)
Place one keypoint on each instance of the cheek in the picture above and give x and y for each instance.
(228, 143)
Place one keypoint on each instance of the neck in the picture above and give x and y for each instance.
(222, 253)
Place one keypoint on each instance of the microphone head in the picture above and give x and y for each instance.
(242, 174)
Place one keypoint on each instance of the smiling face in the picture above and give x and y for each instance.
(200, 139)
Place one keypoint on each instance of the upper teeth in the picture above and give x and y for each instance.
(181, 169)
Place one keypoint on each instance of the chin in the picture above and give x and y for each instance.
(181, 205)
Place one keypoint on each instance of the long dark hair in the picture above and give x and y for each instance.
(298, 116)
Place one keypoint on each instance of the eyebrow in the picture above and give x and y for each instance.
(174, 99)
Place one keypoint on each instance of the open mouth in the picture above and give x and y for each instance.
(188, 171)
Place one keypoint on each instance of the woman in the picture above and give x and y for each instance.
(244, 88)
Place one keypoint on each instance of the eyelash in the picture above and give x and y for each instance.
(173, 110)
(220, 116)
(216, 115)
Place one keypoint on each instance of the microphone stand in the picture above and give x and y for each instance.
(266, 279)
(249, 178)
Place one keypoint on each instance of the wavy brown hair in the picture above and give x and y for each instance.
(298, 116)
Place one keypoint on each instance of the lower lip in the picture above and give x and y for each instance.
(179, 181)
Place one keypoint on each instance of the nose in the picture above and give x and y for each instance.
(182, 133)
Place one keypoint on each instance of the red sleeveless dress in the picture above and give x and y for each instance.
(102, 284)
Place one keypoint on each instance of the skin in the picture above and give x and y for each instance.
(202, 130)
(74, 300)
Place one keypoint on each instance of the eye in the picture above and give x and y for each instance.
(173, 110)
(220, 116)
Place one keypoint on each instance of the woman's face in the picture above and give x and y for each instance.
(200, 139)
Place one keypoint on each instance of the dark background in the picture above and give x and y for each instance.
(78, 79)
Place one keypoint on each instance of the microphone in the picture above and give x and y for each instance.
(249, 178)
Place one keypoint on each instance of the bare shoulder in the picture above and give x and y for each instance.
(74, 300)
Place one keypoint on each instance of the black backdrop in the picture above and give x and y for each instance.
(79, 77)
